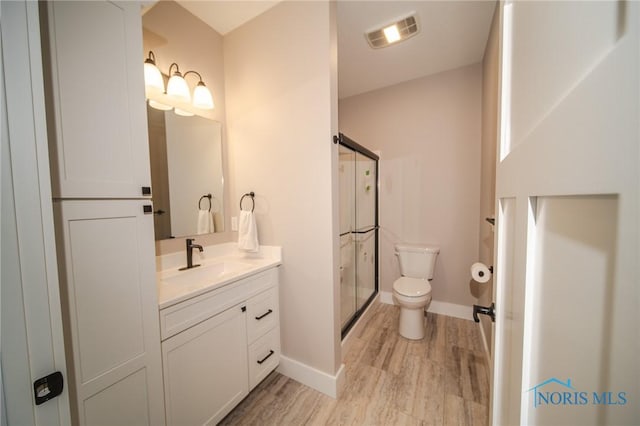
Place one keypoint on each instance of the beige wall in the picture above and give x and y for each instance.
(280, 79)
(175, 35)
(428, 133)
(490, 96)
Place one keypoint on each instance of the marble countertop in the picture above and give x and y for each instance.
(220, 265)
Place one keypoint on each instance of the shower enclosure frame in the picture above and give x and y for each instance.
(345, 141)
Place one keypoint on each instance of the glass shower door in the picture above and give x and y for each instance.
(365, 227)
(358, 230)
(348, 305)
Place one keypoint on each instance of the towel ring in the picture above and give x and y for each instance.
(253, 200)
(208, 196)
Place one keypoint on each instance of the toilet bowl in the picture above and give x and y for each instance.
(413, 295)
(412, 291)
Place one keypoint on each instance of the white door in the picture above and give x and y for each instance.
(32, 343)
(567, 294)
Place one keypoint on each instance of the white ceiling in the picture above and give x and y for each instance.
(452, 34)
(225, 16)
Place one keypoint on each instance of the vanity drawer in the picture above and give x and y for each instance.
(263, 313)
(183, 315)
(264, 356)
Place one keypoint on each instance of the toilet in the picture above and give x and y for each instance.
(412, 291)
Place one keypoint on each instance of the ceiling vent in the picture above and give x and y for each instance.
(394, 32)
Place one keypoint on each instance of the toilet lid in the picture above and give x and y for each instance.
(412, 287)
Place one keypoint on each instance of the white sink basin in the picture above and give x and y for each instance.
(207, 272)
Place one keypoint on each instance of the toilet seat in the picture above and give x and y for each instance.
(412, 287)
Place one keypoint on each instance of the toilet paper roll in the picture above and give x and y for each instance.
(480, 272)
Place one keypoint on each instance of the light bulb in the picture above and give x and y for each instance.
(178, 89)
(153, 82)
(391, 33)
(202, 97)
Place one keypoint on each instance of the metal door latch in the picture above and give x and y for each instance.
(48, 387)
(484, 310)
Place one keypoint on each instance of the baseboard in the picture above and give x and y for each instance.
(386, 297)
(451, 309)
(309, 376)
(437, 307)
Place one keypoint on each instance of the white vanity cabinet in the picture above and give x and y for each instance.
(218, 346)
(95, 76)
(99, 155)
(110, 311)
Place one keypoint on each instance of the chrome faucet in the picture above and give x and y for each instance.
(190, 247)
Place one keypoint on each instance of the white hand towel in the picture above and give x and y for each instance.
(247, 232)
(205, 222)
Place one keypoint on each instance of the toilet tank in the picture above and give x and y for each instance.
(417, 261)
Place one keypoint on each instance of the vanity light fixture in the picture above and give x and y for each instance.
(177, 88)
(393, 32)
(153, 81)
(201, 95)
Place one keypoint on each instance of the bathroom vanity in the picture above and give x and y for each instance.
(101, 189)
(220, 329)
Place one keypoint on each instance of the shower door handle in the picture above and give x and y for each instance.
(484, 310)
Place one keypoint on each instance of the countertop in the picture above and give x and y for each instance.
(221, 265)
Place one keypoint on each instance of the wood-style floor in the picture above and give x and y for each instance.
(440, 380)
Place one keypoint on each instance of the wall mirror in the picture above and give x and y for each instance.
(186, 167)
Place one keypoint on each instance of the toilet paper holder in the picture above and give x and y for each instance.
(482, 273)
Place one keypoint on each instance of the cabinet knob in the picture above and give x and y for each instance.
(146, 190)
(243, 308)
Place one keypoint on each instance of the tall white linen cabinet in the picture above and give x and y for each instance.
(101, 188)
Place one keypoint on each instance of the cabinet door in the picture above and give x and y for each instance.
(205, 369)
(95, 86)
(108, 289)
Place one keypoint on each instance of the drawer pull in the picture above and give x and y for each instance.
(264, 315)
(266, 357)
